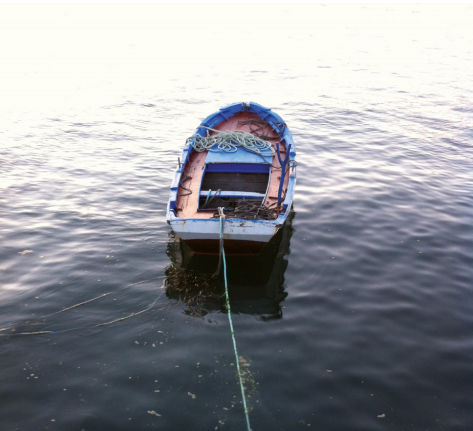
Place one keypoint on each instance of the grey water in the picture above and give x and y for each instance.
(358, 316)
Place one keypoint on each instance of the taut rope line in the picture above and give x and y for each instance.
(222, 253)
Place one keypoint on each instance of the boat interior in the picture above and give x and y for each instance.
(212, 179)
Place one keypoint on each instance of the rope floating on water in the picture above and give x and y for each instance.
(98, 297)
(222, 259)
(222, 256)
(229, 141)
(227, 299)
(83, 303)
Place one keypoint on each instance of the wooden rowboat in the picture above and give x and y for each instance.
(254, 186)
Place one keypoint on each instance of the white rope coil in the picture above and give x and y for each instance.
(229, 141)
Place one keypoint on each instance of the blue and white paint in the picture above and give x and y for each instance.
(235, 229)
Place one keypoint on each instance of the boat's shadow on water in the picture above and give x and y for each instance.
(255, 283)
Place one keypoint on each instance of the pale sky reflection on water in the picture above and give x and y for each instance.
(74, 54)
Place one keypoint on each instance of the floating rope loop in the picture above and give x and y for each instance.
(227, 299)
(229, 141)
(13, 332)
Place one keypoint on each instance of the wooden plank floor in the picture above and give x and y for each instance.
(187, 204)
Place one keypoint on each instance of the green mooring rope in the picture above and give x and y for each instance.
(222, 251)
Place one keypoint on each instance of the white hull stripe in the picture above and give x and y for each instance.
(244, 231)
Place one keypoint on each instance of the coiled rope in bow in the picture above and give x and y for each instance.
(229, 141)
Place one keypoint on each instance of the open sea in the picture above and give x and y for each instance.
(358, 316)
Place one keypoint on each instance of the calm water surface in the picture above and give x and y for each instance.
(358, 316)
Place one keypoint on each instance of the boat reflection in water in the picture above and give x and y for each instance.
(255, 283)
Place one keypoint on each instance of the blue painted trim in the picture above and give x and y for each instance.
(249, 168)
(234, 108)
(239, 156)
